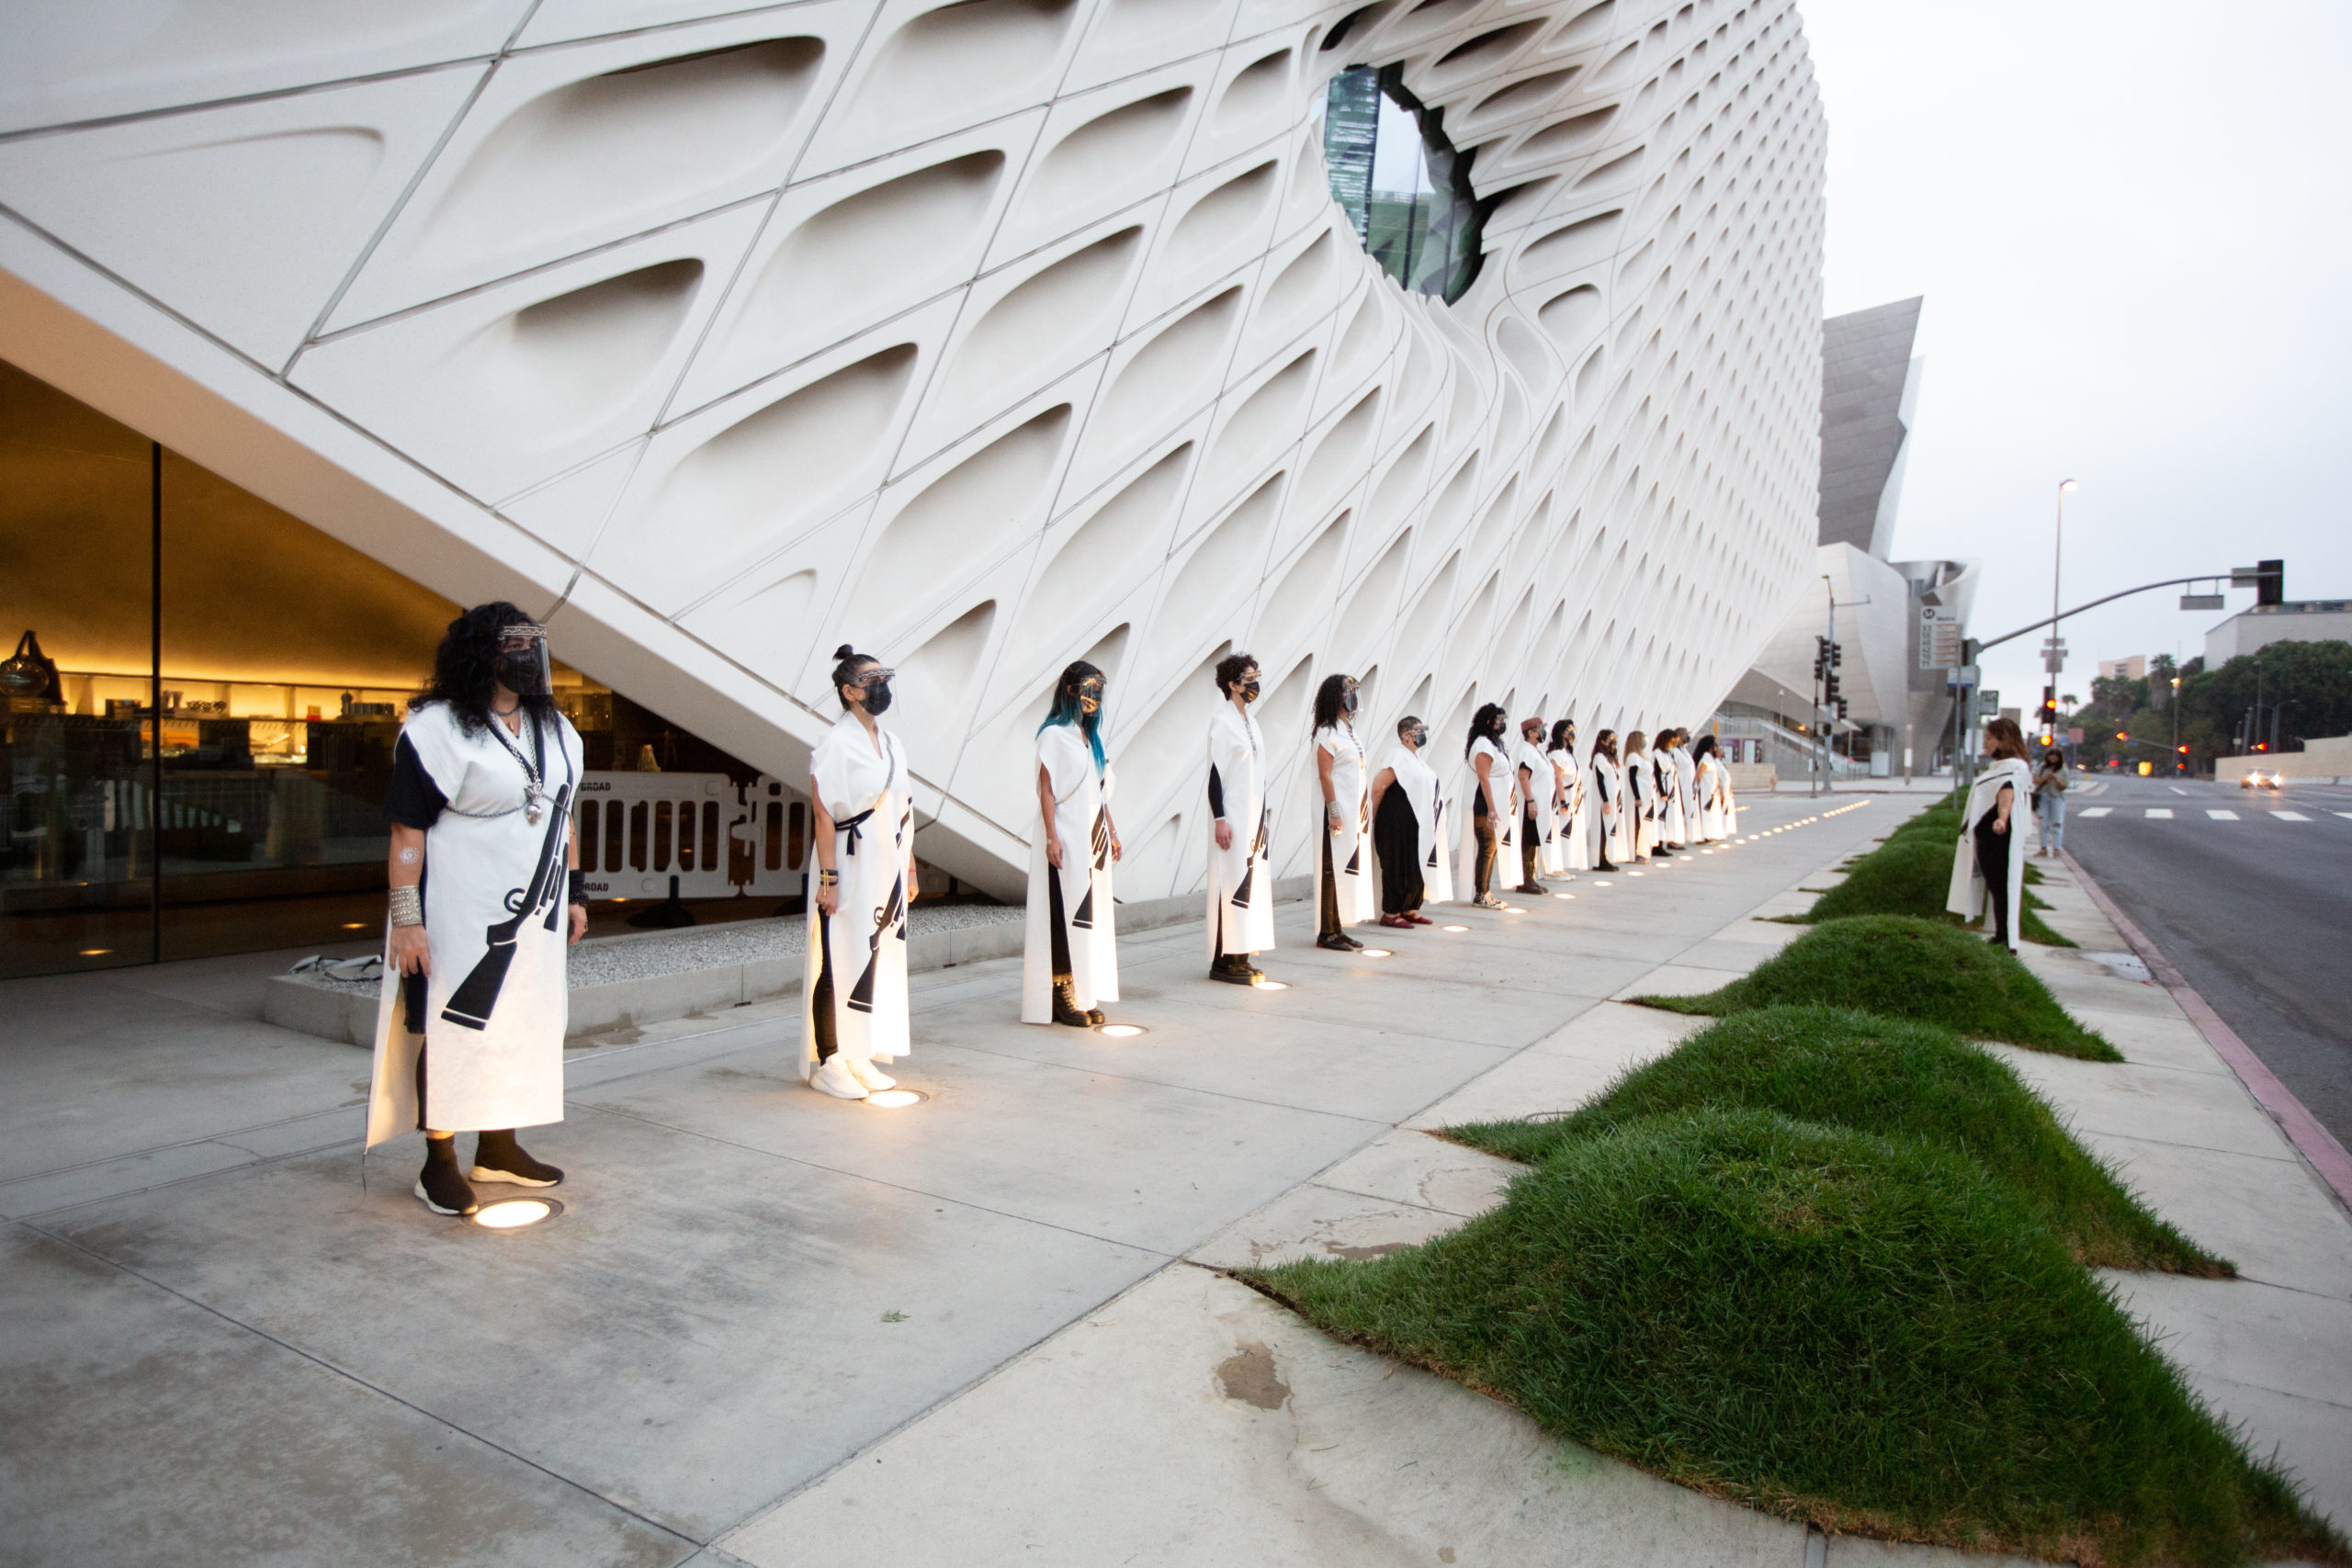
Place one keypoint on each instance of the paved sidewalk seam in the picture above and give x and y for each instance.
(2312, 1140)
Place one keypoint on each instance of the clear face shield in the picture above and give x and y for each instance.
(523, 665)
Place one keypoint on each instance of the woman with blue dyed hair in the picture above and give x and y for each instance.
(1071, 961)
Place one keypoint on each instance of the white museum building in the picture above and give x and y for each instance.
(1473, 347)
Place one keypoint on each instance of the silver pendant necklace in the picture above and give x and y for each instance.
(534, 795)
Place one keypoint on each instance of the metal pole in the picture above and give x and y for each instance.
(1828, 674)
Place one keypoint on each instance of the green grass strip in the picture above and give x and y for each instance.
(1922, 970)
(1870, 1334)
(1886, 1076)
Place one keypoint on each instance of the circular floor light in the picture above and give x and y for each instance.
(1562, 895)
(1272, 986)
(1453, 927)
(514, 1213)
(1119, 1031)
(895, 1098)
(1374, 953)
(1604, 884)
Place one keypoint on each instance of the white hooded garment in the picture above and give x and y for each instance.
(1576, 850)
(1611, 811)
(867, 792)
(1540, 785)
(1710, 787)
(1673, 827)
(1641, 802)
(1503, 810)
(1419, 783)
(1350, 848)
(1083, 824)
(1967, 898)
(1240, 883)
(1686, 790)
(496, 928)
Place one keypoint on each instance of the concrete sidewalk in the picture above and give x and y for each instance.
(813, 1332)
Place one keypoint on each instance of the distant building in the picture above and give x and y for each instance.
(2132, 669)
(1898, 623)
(2302, 620)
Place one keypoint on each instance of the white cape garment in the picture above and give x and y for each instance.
(1502, 807)
(1419, 783)
(1967, 898)
(1686, 790)
(867, 937)
(1609, 807)
(1641, 802)
(1350, 847)
(1241, 882)
(494, 885)
(1082, 823)
(1541, 784)
(1673, 824)
(1710, 786)
(1576, 848)
(1731, 805)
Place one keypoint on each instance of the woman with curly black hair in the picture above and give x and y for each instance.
(485, 898)
(1241, 884)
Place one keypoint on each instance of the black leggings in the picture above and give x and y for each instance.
(821, 1000)
(1062, 968)
(1531, 850)
(1993, 859)
(1327, 899)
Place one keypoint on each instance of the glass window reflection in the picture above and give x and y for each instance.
(1401, 183)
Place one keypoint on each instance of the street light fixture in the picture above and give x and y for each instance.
(2056, 656)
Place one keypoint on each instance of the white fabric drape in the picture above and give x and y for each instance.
(1082, 823)
(1240, 883)
(866, 791)
(496, 930)
(1422, 788)
(1967, 896)
(1350, 848)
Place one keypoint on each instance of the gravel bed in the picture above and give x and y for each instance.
(600, 960)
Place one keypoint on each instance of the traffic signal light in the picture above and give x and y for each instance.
(1837, 655)
(2120, 735)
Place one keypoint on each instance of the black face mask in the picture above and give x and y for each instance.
(1090, 699)
(1248, 690)
(878, 699)
(1348, 702)
(1420, 738)
(522, 672)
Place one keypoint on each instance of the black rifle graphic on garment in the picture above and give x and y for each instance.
(1100, 848)
(470, 1005)
(861, 996)
(1243, 893)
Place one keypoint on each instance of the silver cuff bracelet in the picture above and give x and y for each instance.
(408, 907)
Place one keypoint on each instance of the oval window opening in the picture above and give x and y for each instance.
(1401, 183)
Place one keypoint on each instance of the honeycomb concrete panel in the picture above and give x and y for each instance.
(982, 336)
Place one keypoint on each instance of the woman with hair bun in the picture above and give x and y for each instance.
(470, 1023)
(855, 990)
(1071, 957)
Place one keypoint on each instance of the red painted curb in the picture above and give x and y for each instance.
(2317, 1145)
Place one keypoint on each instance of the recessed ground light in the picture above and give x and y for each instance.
(1633, 873)
(355, 925)
(895, 1098)
(516, 1213)
(1374, 953)
(1272, 986)
(1453, 927)
(1706, 851)
(1119, 1031)
(95, 951)
(1604, 884)
(1562, 895)
(1513, 909)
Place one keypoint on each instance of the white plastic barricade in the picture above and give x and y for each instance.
(719, 839)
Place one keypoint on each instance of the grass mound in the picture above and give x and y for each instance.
(1884, 1076)
(1910, 874)
(1866, 1333)
(1922, 970)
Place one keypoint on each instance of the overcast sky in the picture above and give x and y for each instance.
(2130, 221)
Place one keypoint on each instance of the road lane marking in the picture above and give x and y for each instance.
(2103, 810)
(2345, 814)
(2290, 816)
(2218, 815)
(2176, 789)
(2160, 813)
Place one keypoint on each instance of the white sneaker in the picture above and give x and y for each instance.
(834, 1078)
(871, 1077)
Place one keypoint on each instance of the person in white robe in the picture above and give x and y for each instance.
(1069, 962)
(1539, 790)
(1708, 783)
(1986, 865)
(1343, 857)
(1686, 785)
(1489, 835)
(1408, 831)
(1240, 881)
(1576, 848)
(485, 898)
(1641, 797)
(854, 988)
(1611, 812)
(1666, 796)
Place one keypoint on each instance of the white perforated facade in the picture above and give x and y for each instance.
(983, 336)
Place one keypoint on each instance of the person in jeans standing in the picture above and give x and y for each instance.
(2050, 801)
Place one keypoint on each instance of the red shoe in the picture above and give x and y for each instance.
(1416, 918)
(1396, 922)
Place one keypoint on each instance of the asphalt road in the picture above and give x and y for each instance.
(2255, 912)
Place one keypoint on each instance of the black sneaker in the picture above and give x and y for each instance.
(1336, 941)
(440, 1188)
(1096, 1017)
(1233, 971)
(1066, 1008)
(498, 1157)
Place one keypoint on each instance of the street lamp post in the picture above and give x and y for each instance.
(2054, 658)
